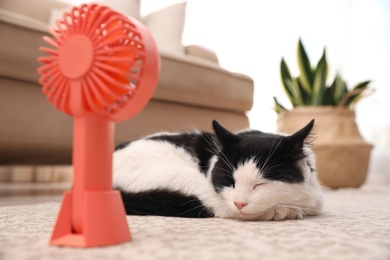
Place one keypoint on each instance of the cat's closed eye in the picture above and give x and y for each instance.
(258, 184)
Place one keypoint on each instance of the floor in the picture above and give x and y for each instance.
(25, 185)
(30, 193)
(354, 224)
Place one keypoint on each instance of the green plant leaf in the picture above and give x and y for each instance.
(324, 62)
(286, 77)
(352, 100)
(363, 84)
(310, 87)
(357, 93)
(278, 107)
(297, 89)
(328, 97)
(307, 77)
(305, 97)
(290, 85)
(340, 89)
(332, 90)
(319, 85)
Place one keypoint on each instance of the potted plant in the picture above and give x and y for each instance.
(342, 154)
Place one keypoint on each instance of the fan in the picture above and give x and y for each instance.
(103, 69)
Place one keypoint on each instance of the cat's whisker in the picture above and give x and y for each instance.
(223, 169)
(211, 151)
(271, 152)
(294, 207)
(200, 212)
(194, 208)
(225, 172)
(188, 202)
(214, 147)
(217, 151)
(258, 160)
(270, 168)
(268, 157)
(226, 160)
(196, 128)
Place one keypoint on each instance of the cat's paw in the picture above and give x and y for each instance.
(275, 213)
(281, 213)
(295, 214)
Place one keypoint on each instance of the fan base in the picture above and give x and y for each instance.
(104, 221)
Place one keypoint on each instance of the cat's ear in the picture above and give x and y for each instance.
(300, 136)
(225, 136)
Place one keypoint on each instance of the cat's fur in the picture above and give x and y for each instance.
(248, 175)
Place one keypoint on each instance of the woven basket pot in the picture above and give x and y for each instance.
(342, 154)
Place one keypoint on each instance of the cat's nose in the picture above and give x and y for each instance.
(240, 205)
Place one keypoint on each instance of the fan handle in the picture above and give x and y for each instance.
(92, 214)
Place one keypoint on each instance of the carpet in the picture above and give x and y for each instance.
(355, 224)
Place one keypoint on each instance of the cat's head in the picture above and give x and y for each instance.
(256, 173)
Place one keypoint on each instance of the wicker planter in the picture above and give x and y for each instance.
(342, 154)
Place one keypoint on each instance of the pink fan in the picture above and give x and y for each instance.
(103, 69)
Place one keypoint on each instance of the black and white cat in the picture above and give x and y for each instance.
(248, 175)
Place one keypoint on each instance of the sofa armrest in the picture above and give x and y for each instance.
(22, 21)
(38, 10)
(202, 52)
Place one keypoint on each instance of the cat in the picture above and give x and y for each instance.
(249, 175)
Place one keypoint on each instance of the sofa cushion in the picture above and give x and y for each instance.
(203, 52)
(166, 26)
(200, 82)
(129, 8)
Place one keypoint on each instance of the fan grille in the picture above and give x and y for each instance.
(98, 57)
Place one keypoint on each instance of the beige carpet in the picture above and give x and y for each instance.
(355, 224)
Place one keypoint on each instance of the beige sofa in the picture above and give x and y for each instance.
(192, 90)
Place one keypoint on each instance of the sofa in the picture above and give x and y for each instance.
(192, 89)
